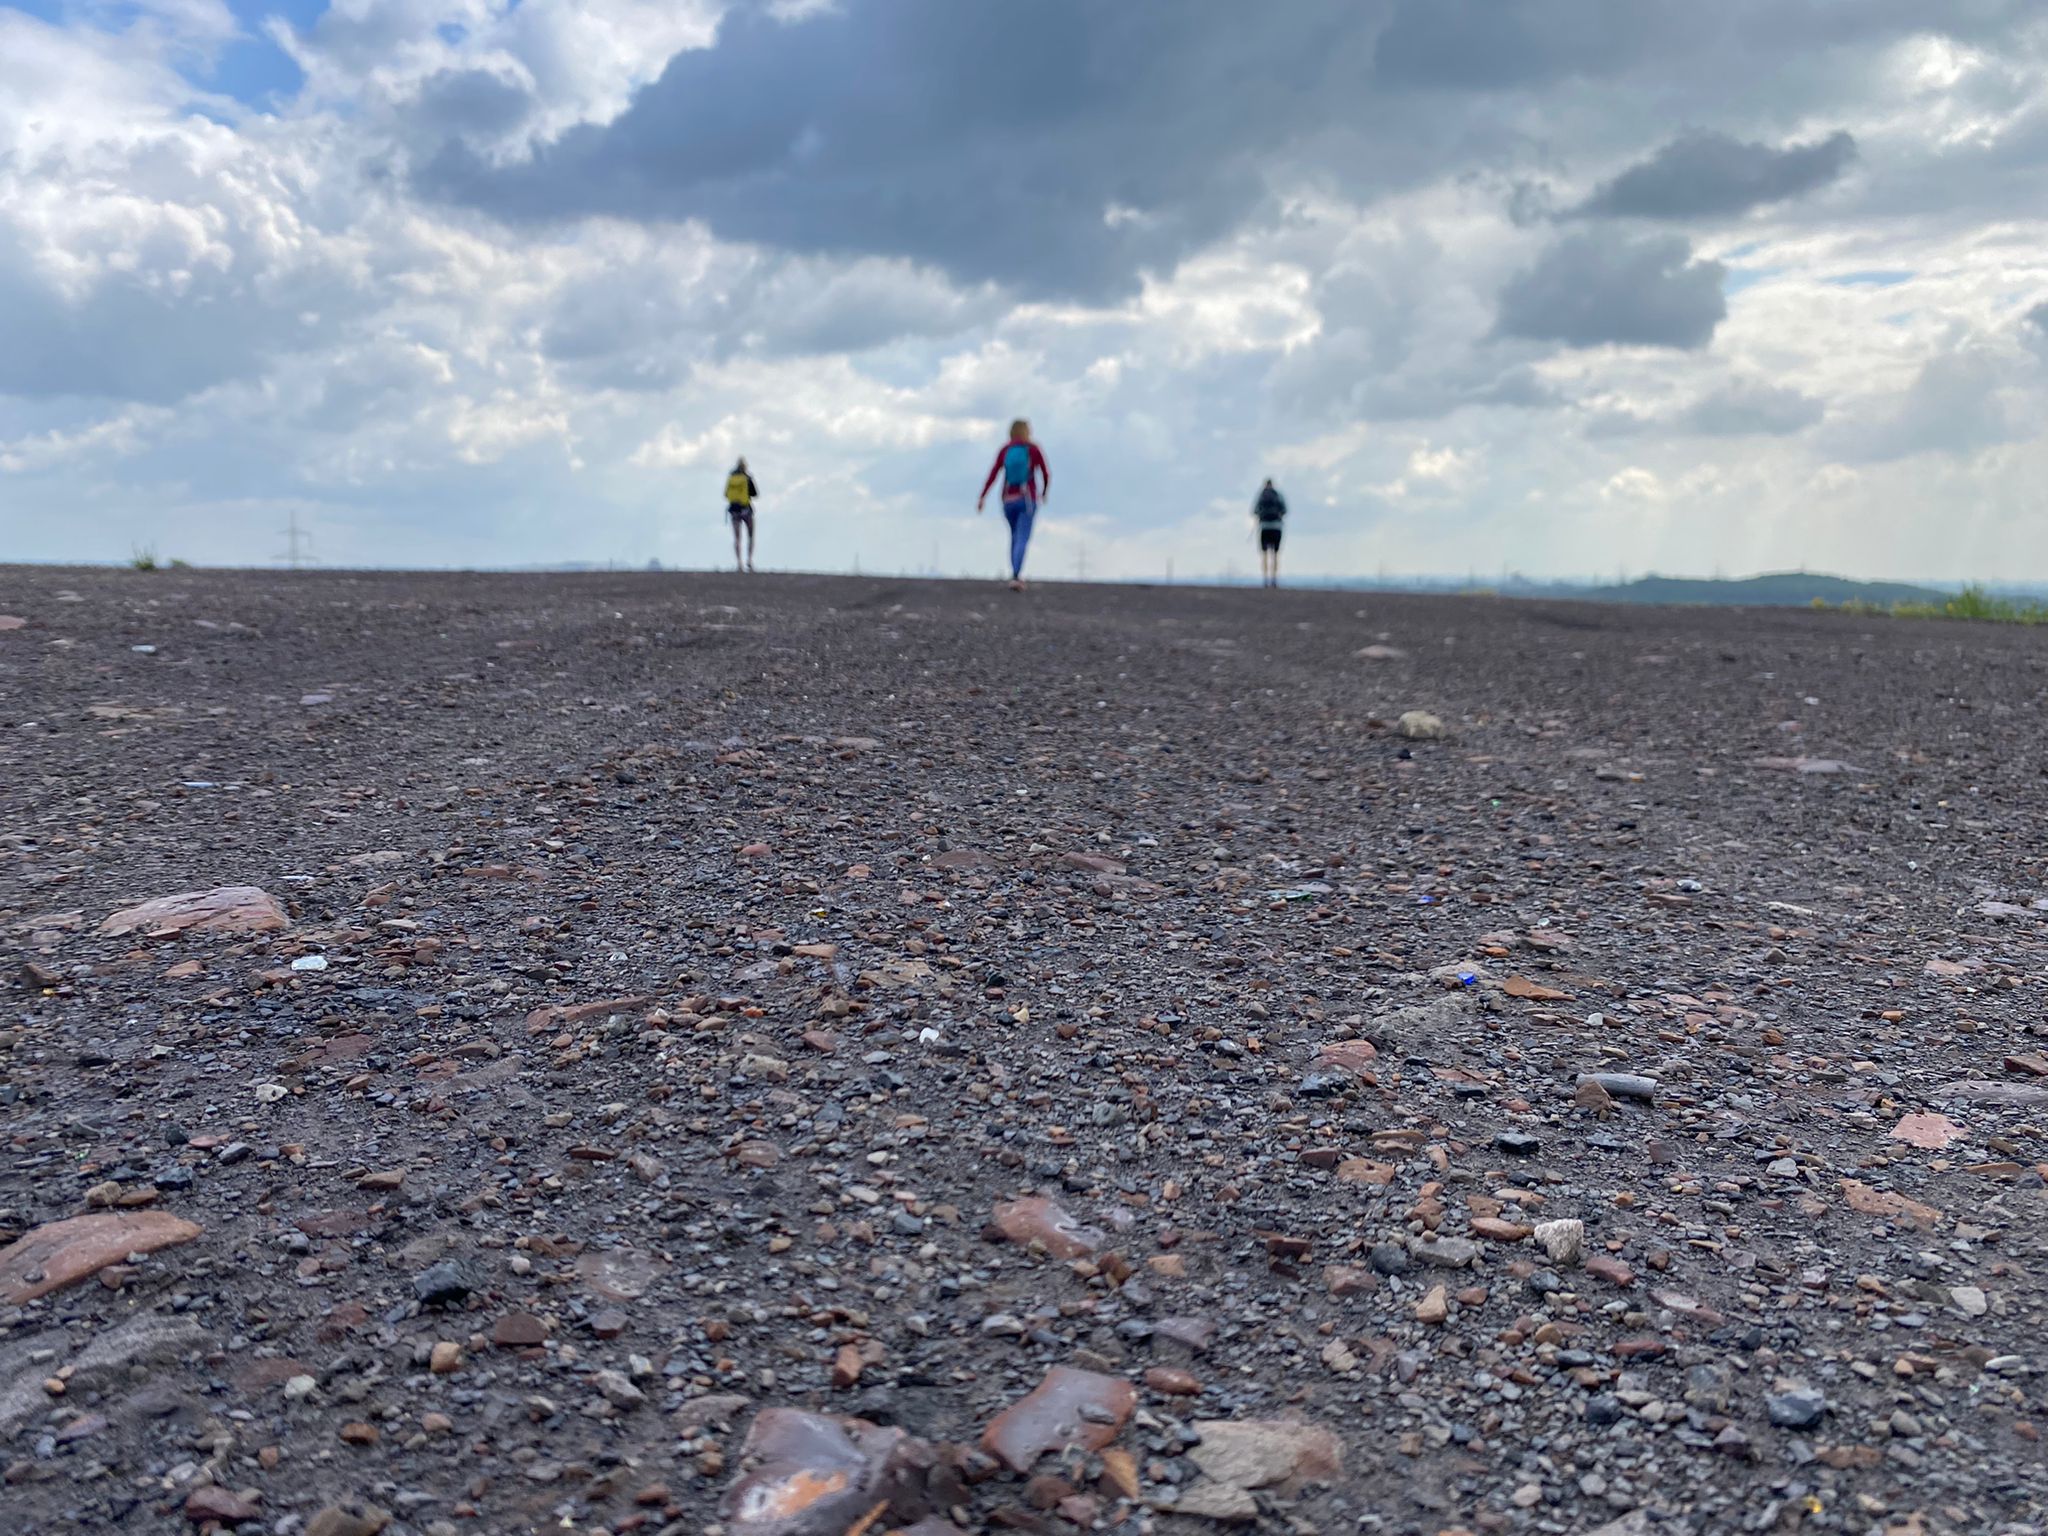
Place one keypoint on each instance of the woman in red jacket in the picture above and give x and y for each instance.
(1026, 482)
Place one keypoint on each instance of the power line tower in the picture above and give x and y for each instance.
(297, 555)
(1081, 564)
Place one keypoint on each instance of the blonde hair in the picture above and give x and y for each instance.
(1020, 430)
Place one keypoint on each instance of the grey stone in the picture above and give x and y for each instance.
(442, 1284)
(1800, 1408)
(1389, 1258)
(1446, 1252)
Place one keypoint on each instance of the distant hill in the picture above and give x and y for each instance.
(1785, 589)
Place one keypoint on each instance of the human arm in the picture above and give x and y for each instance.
(994, 470)
(1044, 474)
(753, 490)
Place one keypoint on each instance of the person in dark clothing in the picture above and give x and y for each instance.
(740, 495)
(1271, 511)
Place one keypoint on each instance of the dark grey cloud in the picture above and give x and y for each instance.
(1710, 175)
(1062, 147)
(1490, 45)
(1599, 287)
(643, 327)
(1960, 402)
(1056, 147)
(1752, 408)
(471, 103)
(1743, 408)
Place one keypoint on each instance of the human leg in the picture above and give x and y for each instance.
(1019, 515)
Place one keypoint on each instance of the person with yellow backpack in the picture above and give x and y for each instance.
(740, 496)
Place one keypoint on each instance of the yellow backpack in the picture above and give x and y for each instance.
(737, 491)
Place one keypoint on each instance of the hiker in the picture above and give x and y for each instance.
(740, 495)
(1026, 482)
(1271, 511)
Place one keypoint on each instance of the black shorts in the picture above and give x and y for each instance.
(1269, 538)
(740, 514)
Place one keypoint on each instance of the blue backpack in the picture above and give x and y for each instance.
(1017, 472)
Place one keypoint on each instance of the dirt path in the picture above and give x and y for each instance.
(692, 986)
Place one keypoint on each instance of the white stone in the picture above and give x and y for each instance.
(1564, 1240)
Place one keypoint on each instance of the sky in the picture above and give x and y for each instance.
(1556, 287)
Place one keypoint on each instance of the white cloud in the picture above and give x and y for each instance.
(1633, 484)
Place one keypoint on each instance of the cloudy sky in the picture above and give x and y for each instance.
(1557, 286)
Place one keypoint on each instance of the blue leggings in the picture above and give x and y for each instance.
(1020, 515)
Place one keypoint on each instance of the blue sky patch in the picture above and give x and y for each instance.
(1740, 278)
(253, 68)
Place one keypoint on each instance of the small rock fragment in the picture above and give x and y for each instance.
(212, 1502)
(1069, 1407)
(231, 909)
(519, 1330)
(62, 1253)
(1606, 1267)
(1621, 1085)
(1266, 1453)
(352, 1518)
(1564, 1240)
(442, 1284)
(815, 1474)
(1446, 1252)
(1932, 1132)
(1797, 1408)
(1035, 1219)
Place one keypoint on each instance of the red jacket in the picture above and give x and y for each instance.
(1038, 479)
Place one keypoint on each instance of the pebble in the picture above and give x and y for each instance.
(1605, 1267)
(1069, 1407)
(1446, 1252)
(1797, 1408)
(442, 1284)
(519, 1330)
(208, 1502)
(352, 1518)
(1621, 1085)
(1563, 1240)
(884, 1121)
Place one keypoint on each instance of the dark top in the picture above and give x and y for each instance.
(1270, 508)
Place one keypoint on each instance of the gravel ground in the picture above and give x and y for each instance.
(1611, 1099)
